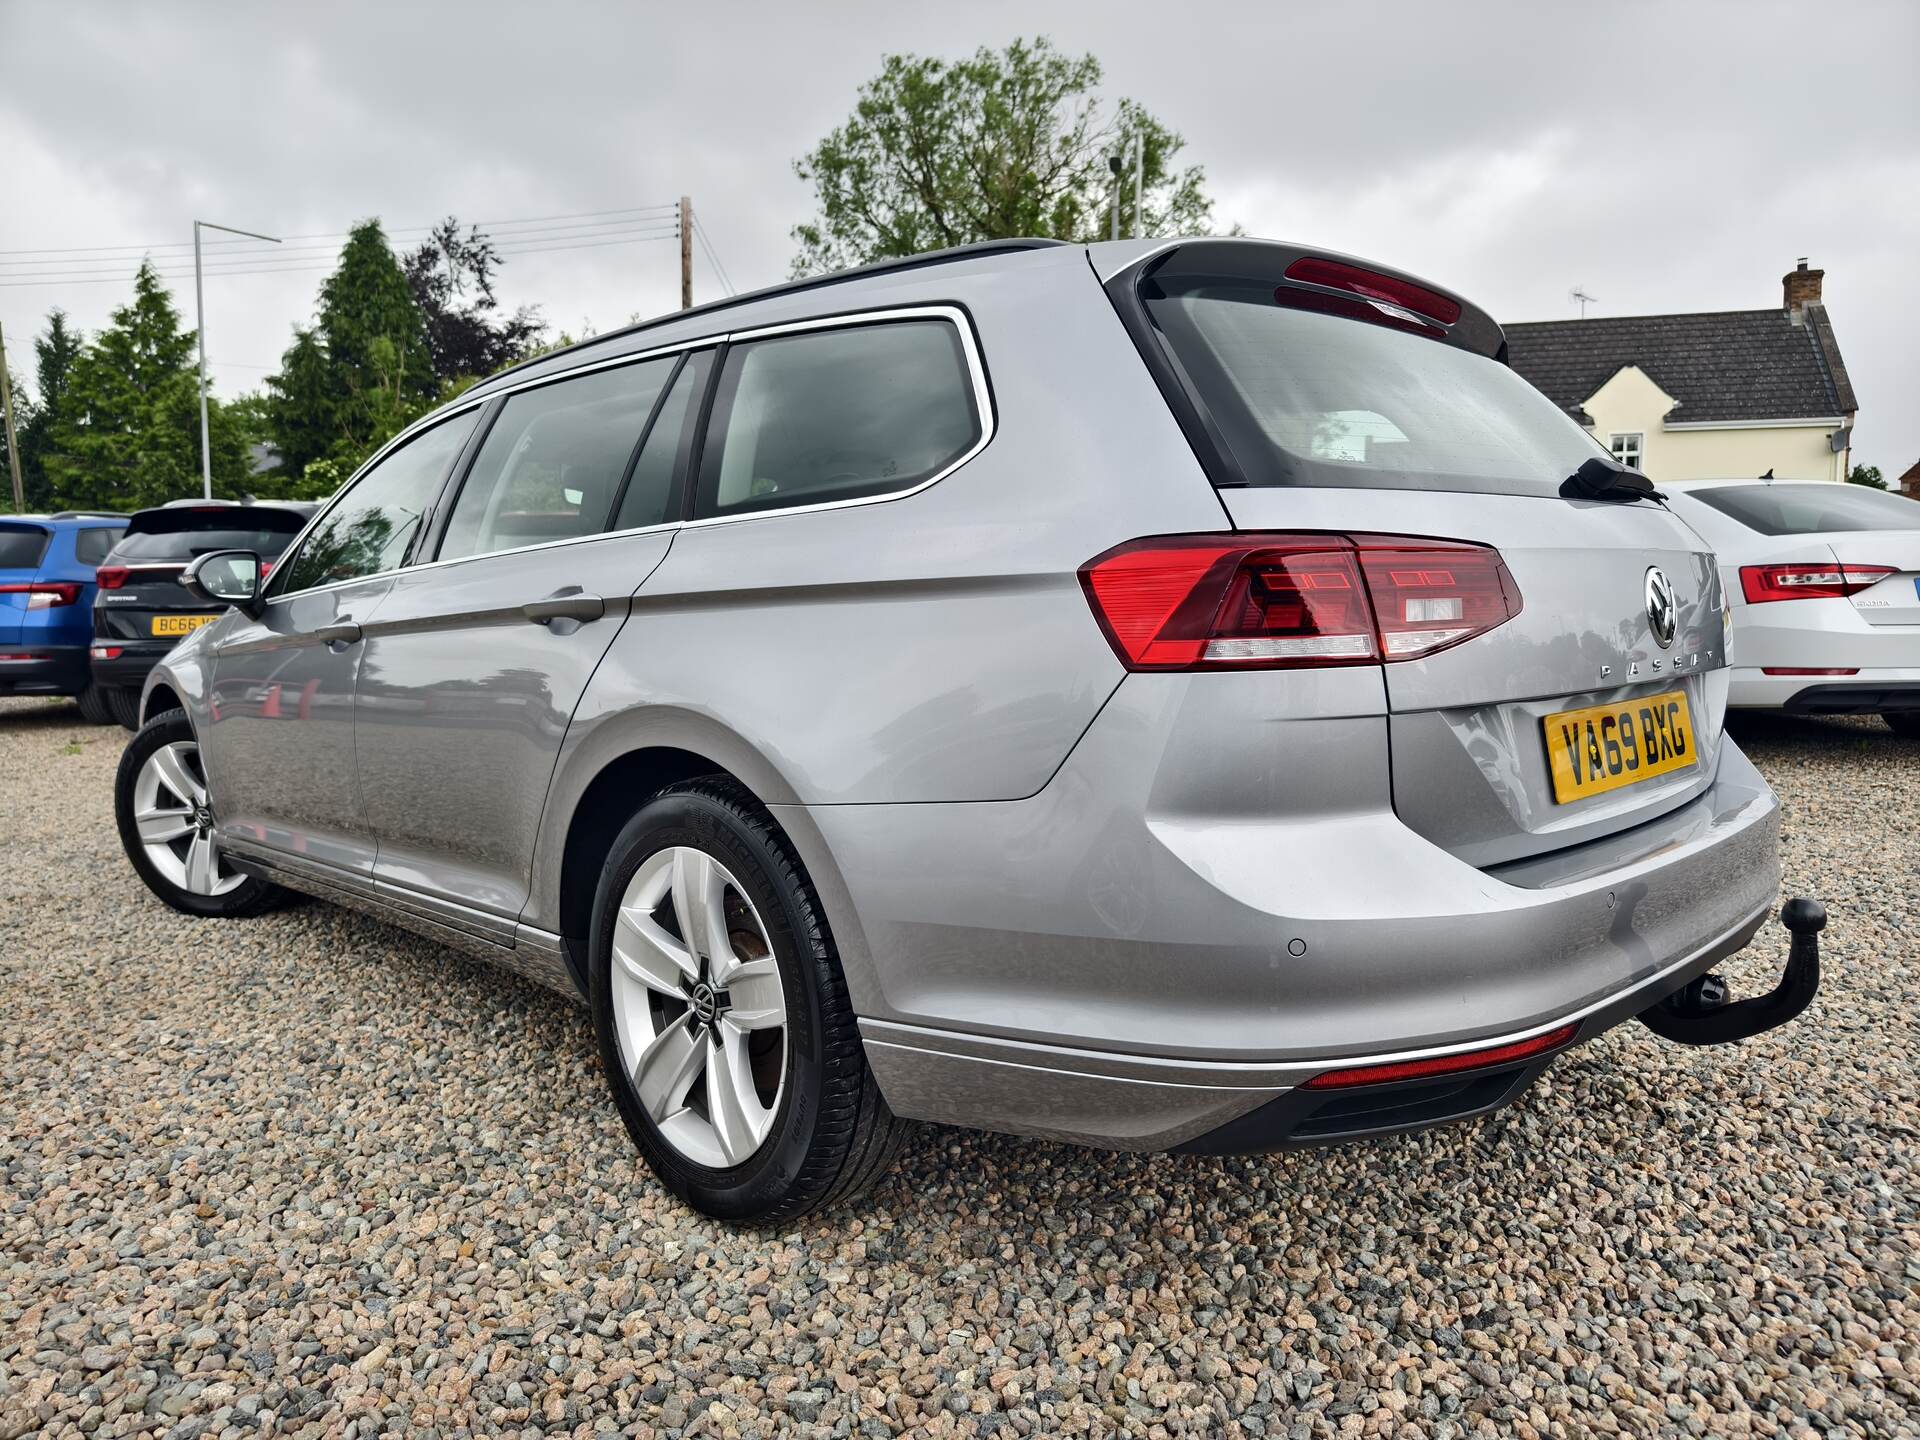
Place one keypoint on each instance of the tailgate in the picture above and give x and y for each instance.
(1894, 600)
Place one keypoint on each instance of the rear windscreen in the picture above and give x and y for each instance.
(1811, 509)
(1303, 398)
(185, 534)
(21, 547)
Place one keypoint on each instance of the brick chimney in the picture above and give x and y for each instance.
(1800, 288)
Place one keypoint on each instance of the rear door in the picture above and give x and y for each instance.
(474, 664)
(1371, 405)
(278, 742)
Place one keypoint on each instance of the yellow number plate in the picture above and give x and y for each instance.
(180, 624)
(1605, 747)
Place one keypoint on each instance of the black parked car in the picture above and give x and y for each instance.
(140, 610)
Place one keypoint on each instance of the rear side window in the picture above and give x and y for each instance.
(369, 528)
(552, 463)
(90, 547)
(1305, 398)
(21, 547)
(837, 414)
(1811, 509)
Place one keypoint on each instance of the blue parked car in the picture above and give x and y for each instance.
(46, 603)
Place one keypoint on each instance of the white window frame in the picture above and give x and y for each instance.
(1629, 447)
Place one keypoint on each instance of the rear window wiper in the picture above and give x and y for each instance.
(1608, 480)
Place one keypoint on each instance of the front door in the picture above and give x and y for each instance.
(278, 746)
(473, 665)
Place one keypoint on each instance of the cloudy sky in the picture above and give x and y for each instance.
(1664, 157)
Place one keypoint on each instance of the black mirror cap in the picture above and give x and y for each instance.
(227, 565)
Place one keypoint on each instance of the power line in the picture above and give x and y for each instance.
(342, 234)
(700, 234)
(122, 277)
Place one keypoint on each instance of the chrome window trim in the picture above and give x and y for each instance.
(952, 314)
(988, 421)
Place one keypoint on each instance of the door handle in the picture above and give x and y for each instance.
(567, 605)
(337, 637)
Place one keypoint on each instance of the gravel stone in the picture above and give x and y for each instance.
(308, 1175)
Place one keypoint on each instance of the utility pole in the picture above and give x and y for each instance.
(1115, 162)
(1139, 181)
(200, 330)
(13, 445)
(686, 253)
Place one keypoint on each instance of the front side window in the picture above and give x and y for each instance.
(1626, 449)
(836, 414)
(369, 528)
(551, 465)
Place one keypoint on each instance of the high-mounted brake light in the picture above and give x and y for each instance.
(1765, 583)
(1441, 1064)
(111, 577)
(1267, 601)
(44, 594)
(1372, 285)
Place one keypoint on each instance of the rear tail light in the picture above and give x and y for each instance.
(45, 594)
(1764, 583)
(1441, 1064)
(1262, 601)
(111, 577)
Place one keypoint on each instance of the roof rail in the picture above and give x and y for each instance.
(87, 515)
(811, 282)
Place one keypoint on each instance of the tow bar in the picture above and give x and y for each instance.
(1702, 1012)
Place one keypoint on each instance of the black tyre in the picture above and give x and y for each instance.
(94, 707)
(123, 704)
(166, 825)
(1905, 723)
(727, 1036)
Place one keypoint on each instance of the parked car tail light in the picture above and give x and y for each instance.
(1266, 601)
(1442, 1064)
(45, 594)
(1764, 583)
(106, 652)
(111, 577)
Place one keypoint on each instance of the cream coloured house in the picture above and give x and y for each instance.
(1706, 396)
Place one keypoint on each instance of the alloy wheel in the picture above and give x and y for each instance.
(175, 821)
(699, 1009)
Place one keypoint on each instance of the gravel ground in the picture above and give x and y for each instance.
(309, 1175)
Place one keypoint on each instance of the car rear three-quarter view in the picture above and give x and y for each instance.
(1160, 695)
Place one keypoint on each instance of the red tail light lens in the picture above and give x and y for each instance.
(1376, 288)
(45, 594)
(1765, 583)
(1442, 1064)
(1238, 602)
(111, 577)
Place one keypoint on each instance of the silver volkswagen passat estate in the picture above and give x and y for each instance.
(1161, 695)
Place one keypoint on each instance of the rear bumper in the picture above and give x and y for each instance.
(1139, 955)
(130, 669)
(52, 670)
(1866, 691)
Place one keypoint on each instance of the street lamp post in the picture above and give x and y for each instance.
(200, 325)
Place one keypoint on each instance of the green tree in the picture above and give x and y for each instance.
(1004, 143)
(54, 356)
(128, 434)
(1868, 475)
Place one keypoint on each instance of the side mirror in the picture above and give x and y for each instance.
(226, 577)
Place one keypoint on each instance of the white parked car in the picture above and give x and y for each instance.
(1824, 585)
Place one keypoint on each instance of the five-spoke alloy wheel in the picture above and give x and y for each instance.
(725, 1027)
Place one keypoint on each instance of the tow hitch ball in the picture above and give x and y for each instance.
(1703, 1012)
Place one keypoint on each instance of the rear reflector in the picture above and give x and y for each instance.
(111, 577)
(45, 594)
(1798, 670)
(1765, 583)
(15, 657)
(1441, 1064)
(1267, 601)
